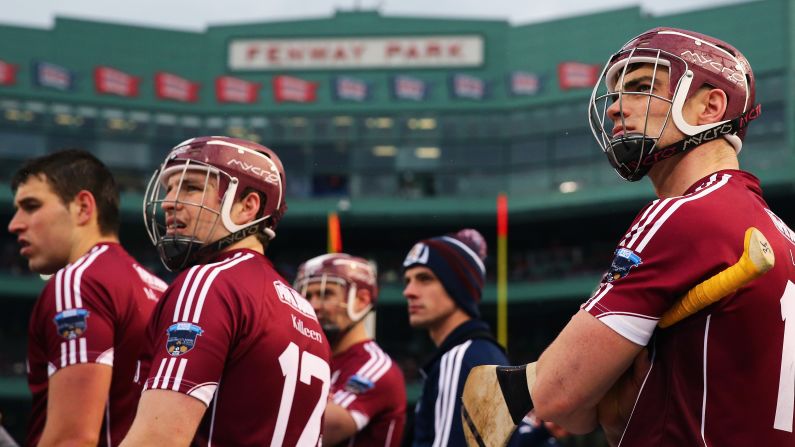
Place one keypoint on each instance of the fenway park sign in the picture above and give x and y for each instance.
(355, 53)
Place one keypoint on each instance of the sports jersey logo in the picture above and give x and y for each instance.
(624, 260)
(358, 384)
(71, 323)
(182, 338)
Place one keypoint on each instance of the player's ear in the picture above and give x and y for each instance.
(363, 299)
(83, 208)
(247, 208)
(713, 103)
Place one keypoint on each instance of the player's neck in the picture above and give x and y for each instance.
(444, 327)
(356, 334)
(86, 239)
(248, 243)
(674, 176)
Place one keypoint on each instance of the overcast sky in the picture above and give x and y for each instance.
(195, 15)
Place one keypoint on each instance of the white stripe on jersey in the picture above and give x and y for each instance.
(83, 350)
(637, 398)
(94, 254)
(204, 392)
(106, 358)
(178, 377)
(449, 374)
(704, 399)
(636, 328)
(376, 366)
(167, 375)
(595, 299)
(182, 290)
(159, 373)
(72, 351)
(193, 283)
(677, 203)
(67, 286)
(640, 225)
(389, 433)
(211, 277)
(58, 298)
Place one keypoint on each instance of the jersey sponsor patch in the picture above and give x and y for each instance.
(71, 323)
(623, 261)
(182, 338)
(358, 384)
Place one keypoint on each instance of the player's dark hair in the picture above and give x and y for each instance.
(73, 170)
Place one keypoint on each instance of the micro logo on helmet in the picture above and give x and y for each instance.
(268, 176)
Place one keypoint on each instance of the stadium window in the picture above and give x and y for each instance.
(530, 151)
(22, 145)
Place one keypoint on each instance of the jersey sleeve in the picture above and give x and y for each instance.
(190, 338)
(660, 258)
(371, 393)
(76, 320)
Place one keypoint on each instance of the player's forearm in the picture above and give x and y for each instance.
(72, 438)
(338, 425)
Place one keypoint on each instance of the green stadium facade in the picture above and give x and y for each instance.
(407, 127)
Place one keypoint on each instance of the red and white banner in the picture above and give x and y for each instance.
(577, 75)
(177, 88)
(288, 88)
(230, 89)
(8, 73)
(110, 81)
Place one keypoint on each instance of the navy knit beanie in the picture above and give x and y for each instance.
(457, 260)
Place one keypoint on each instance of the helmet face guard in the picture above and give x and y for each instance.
(627, 151)
(199, 181)
(692, 61)
(349, 272)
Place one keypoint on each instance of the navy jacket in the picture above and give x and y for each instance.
(438, 413)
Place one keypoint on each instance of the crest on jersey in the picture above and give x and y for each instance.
(71, 323)
(358, 384)
(623, 261)
(182, 337)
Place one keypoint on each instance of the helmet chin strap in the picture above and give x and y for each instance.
(335, 335)
(638, 168)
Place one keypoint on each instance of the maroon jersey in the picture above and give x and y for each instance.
(94, 310)
(234, 335)
(726, 375)
(366, 382)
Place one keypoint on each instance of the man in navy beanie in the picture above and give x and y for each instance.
(444, 279)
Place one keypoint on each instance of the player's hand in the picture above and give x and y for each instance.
(616, 406)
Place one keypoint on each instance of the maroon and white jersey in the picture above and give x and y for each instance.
(726, 375)
(94, 310)
(367, 383)
(234, 335)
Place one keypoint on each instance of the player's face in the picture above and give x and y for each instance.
(329, 300)
(429, 304)
(641, 113)
(192, 206)
(43, 224)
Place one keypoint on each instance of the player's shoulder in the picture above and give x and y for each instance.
(694, 217)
